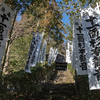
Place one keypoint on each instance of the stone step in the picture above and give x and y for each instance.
(60, 90)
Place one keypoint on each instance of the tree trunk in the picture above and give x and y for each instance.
(7, 59)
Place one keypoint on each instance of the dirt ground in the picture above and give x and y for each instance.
(63, 77)
(61, 87)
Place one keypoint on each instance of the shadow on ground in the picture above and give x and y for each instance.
(54, 90)
(60, 87)
(58, 92)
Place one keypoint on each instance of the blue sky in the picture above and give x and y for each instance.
(65, 17)
(18, 17)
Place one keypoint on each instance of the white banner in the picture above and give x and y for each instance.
(39, 55)
(69, 52)
(50, 58)
(52, 55)
(6, 15)
(81, 67)
(74, 51)
(32, 48)
(35, 53)
(67, 56)
(91, 26)
(43, 51)
(55, 54)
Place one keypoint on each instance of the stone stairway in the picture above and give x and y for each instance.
(62, 87)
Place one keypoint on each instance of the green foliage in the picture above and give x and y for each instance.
(62, 49)
(49, 17)
(18, 85)
(82, 86)
(70, 68)
(69, 28)
(18, 53)
(22, 5)
(21, 86)
(73, 7)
